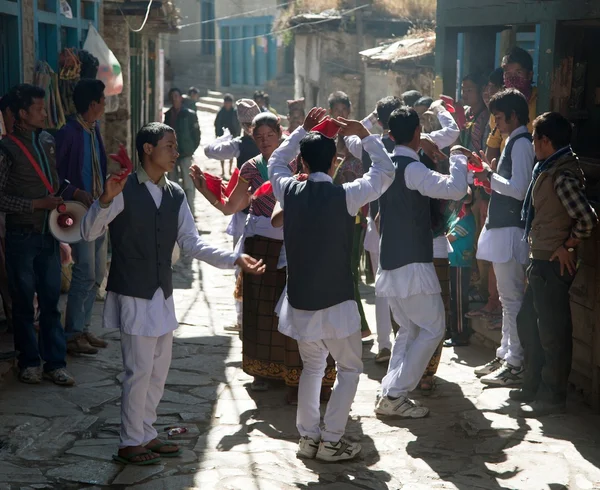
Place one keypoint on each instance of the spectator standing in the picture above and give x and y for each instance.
(81, 159)
(558, 217)
(187, 129)
(227, 119)
(193, 96)
(27, 187)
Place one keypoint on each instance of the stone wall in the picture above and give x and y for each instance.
(117, 128)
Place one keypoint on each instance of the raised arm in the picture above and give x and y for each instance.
(223, 148)
(104, 210)
(353, 142)
(279, 170)
(522, 168)
(439, 186)
(449, 133)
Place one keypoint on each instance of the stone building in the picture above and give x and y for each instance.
(394, 68)
(327, 53)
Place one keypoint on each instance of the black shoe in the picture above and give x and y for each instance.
(521, 396)
(455, 343)
(542, 408)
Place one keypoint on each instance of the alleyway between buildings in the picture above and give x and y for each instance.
(61, 438)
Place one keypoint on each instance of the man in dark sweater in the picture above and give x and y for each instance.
(147, 215)
(81, 159)
(27, 187)
(320, 309)
(227, 119)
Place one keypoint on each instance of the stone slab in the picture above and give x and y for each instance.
(90, 472)
(103, 452)
(135, 474)
(11, 473)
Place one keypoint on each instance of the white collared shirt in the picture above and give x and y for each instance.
(154, 317)
(413, 279)
(341, 320)
(500, 245)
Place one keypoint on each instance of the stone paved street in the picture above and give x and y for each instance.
(63, 438)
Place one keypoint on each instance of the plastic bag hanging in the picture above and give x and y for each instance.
(109, 70)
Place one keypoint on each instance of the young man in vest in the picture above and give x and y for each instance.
(147, 214)
(558, 217)
(501, 241)
(81, 160)
(407, 276)
(320, 310)
(28, 181)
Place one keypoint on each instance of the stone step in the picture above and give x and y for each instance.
(212, 100)
(201, 106)
(215, 93)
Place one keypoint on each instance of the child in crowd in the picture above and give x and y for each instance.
(227, 119)
(147, 214)
(462, 238)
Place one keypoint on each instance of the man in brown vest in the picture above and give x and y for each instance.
(558, 217)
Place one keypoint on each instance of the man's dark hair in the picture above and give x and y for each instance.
(228, 98)
(339, 97)
(258, 94)
(497, 77)
(508, 101)
(193, 91)
(404, 121)
(385, 107)
(317, 151)
(267, 99)
(478, 79)
(87, 91)
(424, 101)
(5, 102)
(411, 96)
(150, 133)
(173, 90)
(520, 56)
(22, 97)
(555, 127)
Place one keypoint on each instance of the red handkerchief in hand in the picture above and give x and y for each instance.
(301, 177)
(215, 185)
(263, 190)
(327, 128)
(122, 158)
(232, 182)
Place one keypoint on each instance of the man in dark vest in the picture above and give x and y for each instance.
(28, 181)
(501, 241)
(407, 276)
(147, 215)
(558, 217)
(320, 309)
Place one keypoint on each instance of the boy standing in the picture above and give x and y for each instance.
(462, 238)
(227, 119)
(501, 240)
(147, 214)
(320, 309)
(81, 160)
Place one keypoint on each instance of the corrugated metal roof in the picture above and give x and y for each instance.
(405, 49)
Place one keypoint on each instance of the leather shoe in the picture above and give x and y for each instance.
(542, 408)
(80, 345)
(95, 341)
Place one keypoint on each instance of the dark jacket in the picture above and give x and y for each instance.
(227, 119)
(69, 156)
(187, 129)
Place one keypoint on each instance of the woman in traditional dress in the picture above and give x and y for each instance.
(267, 354)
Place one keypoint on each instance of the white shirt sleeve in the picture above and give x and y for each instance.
(522, 168)
(279, 170)
(375, 182)
(439, 186)
(223, 149)
(191, 244)
(449, 133)
(354, 145)
(96, 220)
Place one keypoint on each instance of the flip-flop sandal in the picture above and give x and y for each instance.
(128, 459)
(164, 454)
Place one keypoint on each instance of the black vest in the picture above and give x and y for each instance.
(143, 238)
(366, 161)
(318, 234)
(248, 150)
(406, 236)
(505, 211)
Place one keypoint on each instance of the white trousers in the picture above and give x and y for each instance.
(382, 314)
(422, 321)
(239, 308)
(347, 353)
(146, 361)
(510, 277)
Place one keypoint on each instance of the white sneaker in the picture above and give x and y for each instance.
(307, 448)
(338, 451)
(509, 375)
(490, 367)
(401, 407)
